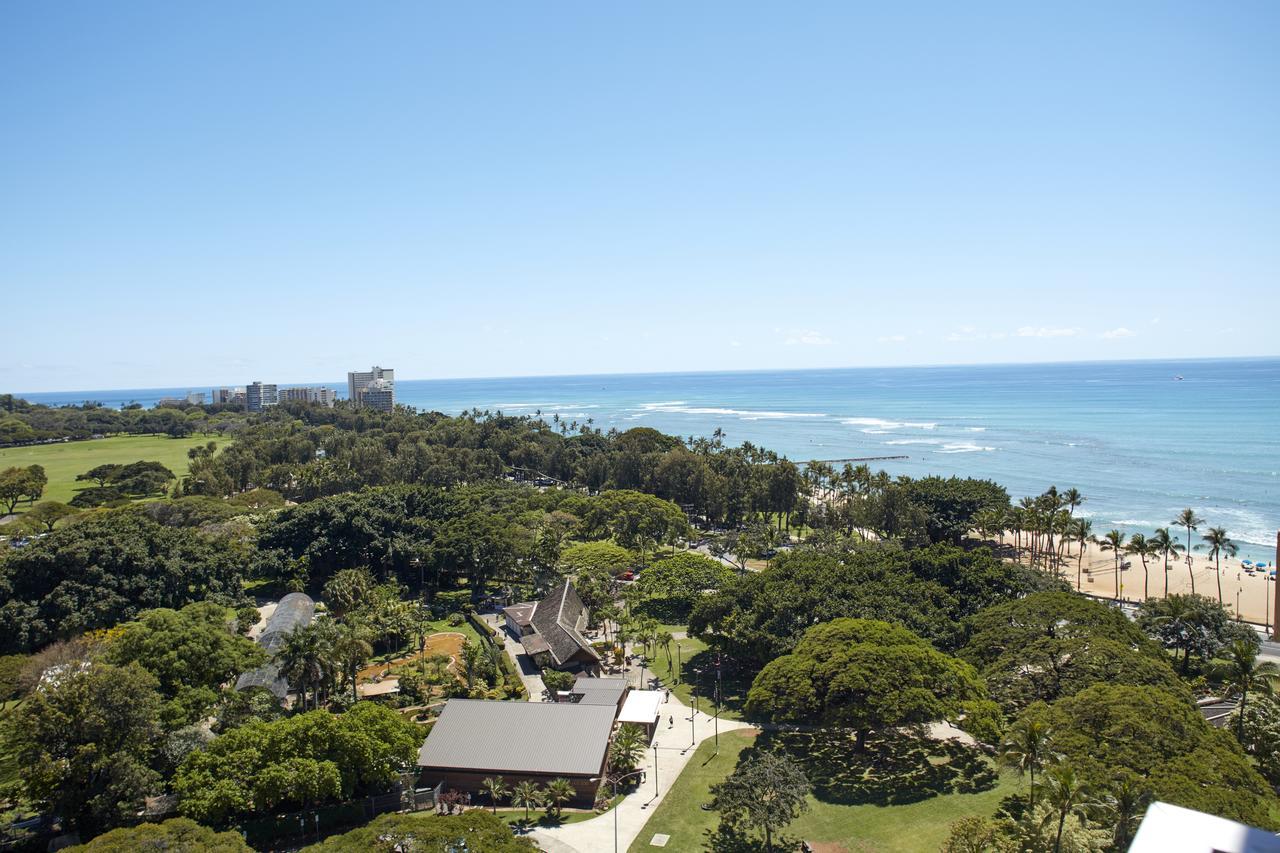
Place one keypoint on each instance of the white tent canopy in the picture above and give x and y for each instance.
(641, 707)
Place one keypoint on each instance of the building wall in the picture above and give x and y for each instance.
(473, 782)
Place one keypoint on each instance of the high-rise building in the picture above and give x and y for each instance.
(258, 396)
(310, 394)
(195, 398)
(375, 389)
(227, 396)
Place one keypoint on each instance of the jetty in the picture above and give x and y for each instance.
(856, 459)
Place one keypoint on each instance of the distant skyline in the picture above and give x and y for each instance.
(289, 192)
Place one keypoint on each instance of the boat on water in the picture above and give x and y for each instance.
(1177, 377)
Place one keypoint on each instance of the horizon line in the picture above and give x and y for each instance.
(703, 372)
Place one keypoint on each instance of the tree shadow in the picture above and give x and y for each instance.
(735, 680)
(895, 769)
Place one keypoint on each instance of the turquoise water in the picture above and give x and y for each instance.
(1140, 444)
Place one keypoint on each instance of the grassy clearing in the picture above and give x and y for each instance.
(695, 667)
(906, 828)
(62, 462)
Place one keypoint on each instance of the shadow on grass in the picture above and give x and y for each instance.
(735, 680)
(895, 768)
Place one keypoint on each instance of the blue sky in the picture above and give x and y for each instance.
(202, 193)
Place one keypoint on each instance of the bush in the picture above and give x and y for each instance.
(456, 619)
(554, 679)
(10, 669)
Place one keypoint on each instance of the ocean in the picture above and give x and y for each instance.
(1141, 440)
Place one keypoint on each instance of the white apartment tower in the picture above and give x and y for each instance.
(375, 388)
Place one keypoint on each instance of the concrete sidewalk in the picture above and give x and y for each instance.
(673, 753)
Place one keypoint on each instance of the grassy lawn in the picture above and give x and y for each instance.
(904, 828)
(62, 462)
(697, 669)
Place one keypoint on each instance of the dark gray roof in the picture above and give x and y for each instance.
(560, 619)
(519, 737)
(600, 691)
(292, 612)
(519, 613)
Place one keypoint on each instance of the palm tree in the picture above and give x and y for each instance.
(1244, 672)
(1067, 794)
(1114, 541)
(1028, 748)
(1072, 499)
(350, 650)
(1219, 543)
(1188, 519)
(628, 745)
(471, 656)
(526, 795)
(496, 788)
(1082, 531)
(1125, 801)
(304, 661)
(558, 791)
(1164, 543)
(1141, 548)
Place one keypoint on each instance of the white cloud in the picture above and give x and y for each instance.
(1046, 332)
(891, 339)
(1121, 332)
(967, 333)
(808, 338)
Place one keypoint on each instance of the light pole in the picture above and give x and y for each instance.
(614, 806)
(1266, 598)
(655, 770)
(717, 701)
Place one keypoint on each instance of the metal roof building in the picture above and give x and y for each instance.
(474, 739)
(294, 611)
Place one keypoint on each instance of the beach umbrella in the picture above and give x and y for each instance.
(1246, 562)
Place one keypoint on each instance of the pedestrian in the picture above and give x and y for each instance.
(671, 722)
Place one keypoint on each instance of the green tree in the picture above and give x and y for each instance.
(765, 792)
(1113, 541)
(1123, 804)
(195, 648)
(46, 515)
(1164, 543)
(306, 659)
(1245, 673)
(84, 739)
(865, 675)
(1192, 624)
(351, 648)
(176, 835)
(1258, 730)
(496, 788)
(293, 761)
(1219, 543)
(347, 590)
(1029, 749)
(1189, 520)
(416, 833)
(626, 749)
(1140, 547)
(556, 794)
(526, 795)
(1067, 794)
(673, 585)
(1161, 738)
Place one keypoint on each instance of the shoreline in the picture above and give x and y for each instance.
(1254, 593)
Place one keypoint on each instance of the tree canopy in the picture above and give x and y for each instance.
(1163, 739)
(670, 587)
(103, 571)
(303, 760)
(760, 616)
(415, 833)
(864, 674)
(176, 835)
(84, 738)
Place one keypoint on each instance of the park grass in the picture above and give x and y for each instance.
(906, 828)
(64, 460)
(692, 654)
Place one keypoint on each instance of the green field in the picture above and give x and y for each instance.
(62, 462)
(866, 828)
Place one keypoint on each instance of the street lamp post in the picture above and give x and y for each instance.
(614, 806)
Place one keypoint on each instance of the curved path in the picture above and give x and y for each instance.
(677, 738)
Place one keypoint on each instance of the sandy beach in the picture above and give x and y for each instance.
(1242, 593)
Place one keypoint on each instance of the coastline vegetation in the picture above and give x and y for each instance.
(847, 611)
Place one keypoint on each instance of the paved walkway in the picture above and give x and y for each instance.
(529, 673)
(674, 751)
